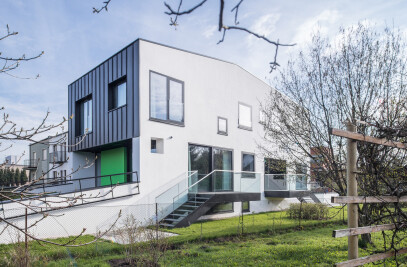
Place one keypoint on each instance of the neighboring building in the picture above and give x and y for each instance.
(14, 162)
(49, 158)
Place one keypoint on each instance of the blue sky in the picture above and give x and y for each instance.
(75, 40)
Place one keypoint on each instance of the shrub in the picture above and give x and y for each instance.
(308, 211)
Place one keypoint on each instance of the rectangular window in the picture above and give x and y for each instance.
(117, 94)
(248, 164)
(245, 116)
(34, 156)
(246, 206)
(222, 208)
(275, 166)
(44, 154)
(153, 146)
(84, 120)
(222, 126)
(55, 174)
(166, 99)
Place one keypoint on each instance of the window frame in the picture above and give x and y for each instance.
(243, 127)
(78, 120)
(248, 206)
(168, 80)
(111, 93)
(219, 131)
(44, 155)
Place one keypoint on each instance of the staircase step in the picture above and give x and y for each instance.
(171, 220)
(189, 206)
(178, 215)
(183, 210)
(167, 225)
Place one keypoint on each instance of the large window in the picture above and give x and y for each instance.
(275, 166)
(84, 119)
(117, 94)
(245, 116)
(166, 99)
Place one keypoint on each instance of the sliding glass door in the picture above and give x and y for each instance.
(205, 159)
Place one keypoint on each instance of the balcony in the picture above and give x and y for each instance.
(286, 185)
(57, 157)
(30, 164)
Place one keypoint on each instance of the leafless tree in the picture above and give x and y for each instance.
(221, 18)
(35, 203)
(359, 76)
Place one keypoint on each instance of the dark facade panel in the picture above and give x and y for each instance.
(108, 126)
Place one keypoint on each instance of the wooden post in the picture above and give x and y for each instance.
(26, 237)
(352, 190)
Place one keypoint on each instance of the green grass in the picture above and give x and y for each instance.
(269, 239)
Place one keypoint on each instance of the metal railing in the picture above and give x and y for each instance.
(286, 182)
(57, 157)
(165, 200)
(220, 181)
(66, 185)
(30, 163)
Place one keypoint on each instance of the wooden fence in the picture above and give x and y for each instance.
(353, 200)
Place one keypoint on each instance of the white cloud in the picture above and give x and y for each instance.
(209, 31)
(264, 25)
(321, 23)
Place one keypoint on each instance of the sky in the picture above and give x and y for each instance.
(75, 40)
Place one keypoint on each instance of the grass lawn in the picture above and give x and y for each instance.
(269, 239)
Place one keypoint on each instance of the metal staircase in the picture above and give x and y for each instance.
(183, 203)
(195, 206)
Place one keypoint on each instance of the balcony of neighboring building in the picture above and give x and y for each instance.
(57, 157)
(286, 185)
(30, 164)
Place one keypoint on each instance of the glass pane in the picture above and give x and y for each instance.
(176, 103)
(248, 163)
(245, 116)
(223, 207)
(222, 125)
(89, 126)
(222, 160)
(84, 118)
(200, 160)
(121, 94)
(158, 95)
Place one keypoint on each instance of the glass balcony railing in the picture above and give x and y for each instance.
(30, 163)
(286, 182)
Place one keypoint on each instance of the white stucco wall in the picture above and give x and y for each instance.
(212, 88)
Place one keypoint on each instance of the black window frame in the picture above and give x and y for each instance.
(168, 121)
(112, 93)
(243, 127)
(219, 131)
(79, 115)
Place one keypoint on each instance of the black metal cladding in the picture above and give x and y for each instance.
(107, 126)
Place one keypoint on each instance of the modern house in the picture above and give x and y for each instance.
(176, 130)
(162, 111)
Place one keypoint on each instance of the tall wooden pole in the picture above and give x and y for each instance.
(352, 190)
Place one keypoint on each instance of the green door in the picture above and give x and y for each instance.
(113, 162)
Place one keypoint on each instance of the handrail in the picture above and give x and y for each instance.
(203, 178)
(192, 173)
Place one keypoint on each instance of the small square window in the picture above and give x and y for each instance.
(117, 94)
(246, 206)
(157, 145)
(222, 126)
